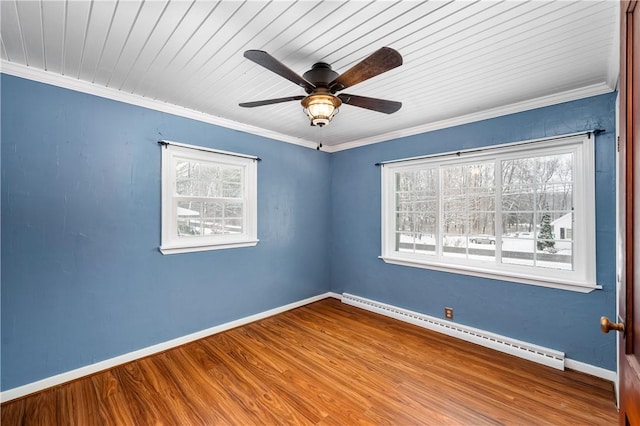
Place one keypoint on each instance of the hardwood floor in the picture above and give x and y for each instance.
(324, 364)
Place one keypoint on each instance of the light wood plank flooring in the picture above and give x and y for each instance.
(324, 364)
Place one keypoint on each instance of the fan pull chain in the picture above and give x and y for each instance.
(318, 138)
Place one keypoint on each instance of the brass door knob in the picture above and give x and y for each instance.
(606, 325)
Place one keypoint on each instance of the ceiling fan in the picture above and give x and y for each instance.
(321, 84)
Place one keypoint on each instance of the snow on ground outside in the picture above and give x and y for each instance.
(513, 244)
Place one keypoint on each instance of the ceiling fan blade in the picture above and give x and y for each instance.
(380, 61)
(380, 105)
(271, 101)
(262, 58)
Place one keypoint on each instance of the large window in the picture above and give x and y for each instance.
(521, 212)
(208, 200)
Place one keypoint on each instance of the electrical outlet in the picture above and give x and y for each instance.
(448, 313)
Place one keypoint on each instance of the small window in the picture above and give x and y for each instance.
(208, 199)
(568, 234)
(506, 213)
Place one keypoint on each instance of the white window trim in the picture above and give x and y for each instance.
(583, 279)
(170, 242)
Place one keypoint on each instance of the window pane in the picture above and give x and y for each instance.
(185, 182)
(554, 168)
(415, 181)
(415, 243)
(482, 223)
(454, 203)
(405, 242)
(543, 247)
(189, 219)
(520, 171)
(469, 211)
(212, 209)
(404, 181)
(231, 190)
(517, 197)
(480, 176)
(232, 174)
(453, 181)
(451, 209)
(482, 239)
(201, 179)
(233, 210)
(404, 222)
(454, 245)
(555, 197)
(425, 218)
(416, 211)
(517, 247)
(403, 197)
(537, 192)
(197, 179)
(517, 222)
(209, 218)
(233, 226)
(481, 202)
(551, 252)
(212, 217)
(454, 222)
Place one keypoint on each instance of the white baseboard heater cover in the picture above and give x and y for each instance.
(531, 352)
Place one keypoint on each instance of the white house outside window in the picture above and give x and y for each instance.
(208, 199)
(521, 212)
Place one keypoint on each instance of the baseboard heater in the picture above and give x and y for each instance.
(531, 352)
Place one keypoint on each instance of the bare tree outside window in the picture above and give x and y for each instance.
(212, 202)
(523, 210)
(416, 211)
(534, 192)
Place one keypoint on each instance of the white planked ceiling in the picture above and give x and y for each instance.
(462, 59)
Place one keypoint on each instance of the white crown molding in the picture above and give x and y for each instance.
(544, 101)
(613, 64)
(71, 83)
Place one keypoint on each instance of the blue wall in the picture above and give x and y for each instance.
(558, 319)
(83, 281)
(82, 278)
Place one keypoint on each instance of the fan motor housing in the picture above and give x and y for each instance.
(320, 74)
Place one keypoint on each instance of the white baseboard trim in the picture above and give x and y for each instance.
(59, 379)
(68, 376)
(525, 350)
(334, 295)
(592, 370)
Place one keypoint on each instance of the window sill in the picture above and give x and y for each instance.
(175, 249)
(511, 277)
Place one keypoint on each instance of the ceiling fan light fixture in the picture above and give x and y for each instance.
(320, 108)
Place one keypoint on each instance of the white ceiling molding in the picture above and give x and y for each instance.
(186, 58)
(558, 98)
(71, 83)
(74, 84)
